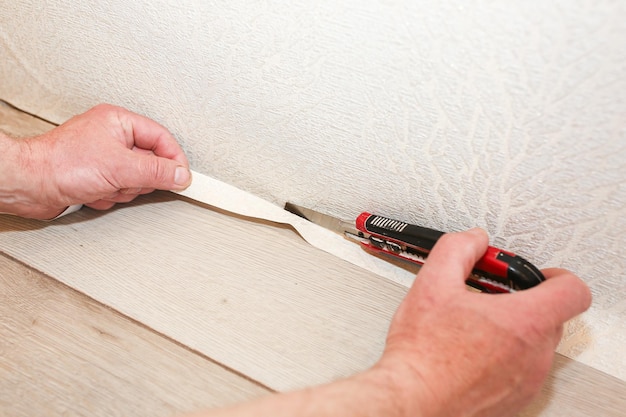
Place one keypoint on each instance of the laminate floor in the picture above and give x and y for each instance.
(63, 353)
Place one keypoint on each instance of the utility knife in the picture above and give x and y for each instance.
(498, 271)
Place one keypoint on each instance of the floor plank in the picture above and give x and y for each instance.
(65, 354)
(576, 390)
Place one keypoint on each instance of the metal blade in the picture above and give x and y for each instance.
(329, 222)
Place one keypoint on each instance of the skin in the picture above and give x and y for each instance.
(449, 351)
(105, 156)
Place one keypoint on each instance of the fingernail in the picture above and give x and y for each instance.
(182, 176)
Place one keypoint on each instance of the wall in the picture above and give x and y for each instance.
(506, 115)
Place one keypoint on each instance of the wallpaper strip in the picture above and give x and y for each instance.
(207, 190)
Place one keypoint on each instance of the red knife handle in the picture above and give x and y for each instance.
(504, 268)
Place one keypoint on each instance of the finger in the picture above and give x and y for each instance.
(108, 202)
(136, 191)
(122, 198)
(452, 259)
(559, 334)
(132, 191)
(100, 205)
(141, 150)
(147, 134)
(145, 191)
(136, 170)
(560, 298)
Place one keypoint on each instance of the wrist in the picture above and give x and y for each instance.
(22, 180)
(402, 391)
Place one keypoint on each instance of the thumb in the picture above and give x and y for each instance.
(151, 171)
(452, 259)
(560, 298)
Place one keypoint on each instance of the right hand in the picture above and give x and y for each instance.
(452, 352)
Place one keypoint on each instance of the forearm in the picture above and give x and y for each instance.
(373, 393)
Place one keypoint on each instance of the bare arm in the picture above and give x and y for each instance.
(371, 393)
(449, 352)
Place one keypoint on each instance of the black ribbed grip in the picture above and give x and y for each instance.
(421, 237)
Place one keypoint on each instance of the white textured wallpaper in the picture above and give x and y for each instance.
(502, 114)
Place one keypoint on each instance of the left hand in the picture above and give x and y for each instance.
(105, 156)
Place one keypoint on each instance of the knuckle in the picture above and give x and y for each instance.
(102, 109)
(105, 107)
(155, 172)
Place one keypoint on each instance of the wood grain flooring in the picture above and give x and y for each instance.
(63, 353)
(248, 300)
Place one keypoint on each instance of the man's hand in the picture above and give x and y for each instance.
(459, 353)
(105, 156)
(450, 352)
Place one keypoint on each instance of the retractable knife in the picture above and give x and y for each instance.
(498, 271)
